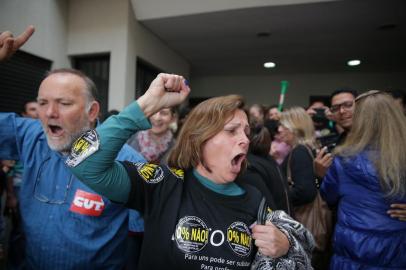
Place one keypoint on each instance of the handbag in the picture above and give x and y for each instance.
(315, 216)
(300, 239)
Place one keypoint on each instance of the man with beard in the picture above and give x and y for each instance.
(67, 225)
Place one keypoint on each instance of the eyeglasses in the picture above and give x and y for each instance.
(347, 105)
(45, 191)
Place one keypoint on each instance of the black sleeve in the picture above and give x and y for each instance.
(304, 189)
(136, 198)
(151, 186)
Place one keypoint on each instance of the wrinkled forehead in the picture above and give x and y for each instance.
(62, 85)
(238, 116)
(342, 97)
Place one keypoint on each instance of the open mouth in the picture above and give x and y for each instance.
(236, 162)
(55, 130)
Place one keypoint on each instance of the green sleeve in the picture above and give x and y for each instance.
(100, 171)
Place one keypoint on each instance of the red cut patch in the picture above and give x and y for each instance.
(88, 204)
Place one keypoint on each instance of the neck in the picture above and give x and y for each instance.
(229, 189)
(160, 135)
(205, 171)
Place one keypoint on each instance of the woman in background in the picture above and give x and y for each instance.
(154, 144)
(296, 129)
(263, 171)
(368, 174)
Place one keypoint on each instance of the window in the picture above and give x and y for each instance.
(20, 77)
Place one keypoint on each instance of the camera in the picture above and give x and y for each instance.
(320, 116)
(329, 141)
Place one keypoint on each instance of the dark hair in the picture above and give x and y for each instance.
(174, 109)
(321, 99)
(398, 94)
(24, 110)
(272, 126)
(272, 106)
(343, 90)
(260, 141)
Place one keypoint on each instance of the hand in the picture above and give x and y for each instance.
(9, 45)
(322, 162)
(398, 210)
(310, 111)
(329, 114)
(270, 240)
(165, 91)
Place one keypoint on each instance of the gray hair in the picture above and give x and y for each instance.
(91, 89)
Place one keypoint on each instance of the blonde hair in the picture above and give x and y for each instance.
(204, 122)
(297, 121)
(379, 125)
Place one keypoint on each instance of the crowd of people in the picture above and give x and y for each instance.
(223, 192)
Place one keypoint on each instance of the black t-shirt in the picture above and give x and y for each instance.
(188, 226)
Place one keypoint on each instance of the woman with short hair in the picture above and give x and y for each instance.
(196, 216)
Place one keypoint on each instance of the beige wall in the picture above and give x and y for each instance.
(76, 27)
(152, 9)
(266, 89)
(99, 26)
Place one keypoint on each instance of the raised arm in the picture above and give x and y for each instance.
(9, 44)
(97, 168)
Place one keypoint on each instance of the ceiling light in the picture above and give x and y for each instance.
(388, 26)
(269, 65)
(354, 62)
(263, 34)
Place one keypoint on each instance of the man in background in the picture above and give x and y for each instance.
(342, 109)
(16, 242)
(30, 109)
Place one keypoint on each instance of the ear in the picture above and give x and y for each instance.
(94, 111)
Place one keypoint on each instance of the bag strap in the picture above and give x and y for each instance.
(262, 212)
(289, 172)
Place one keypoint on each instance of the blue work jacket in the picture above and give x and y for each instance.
(67, 225)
